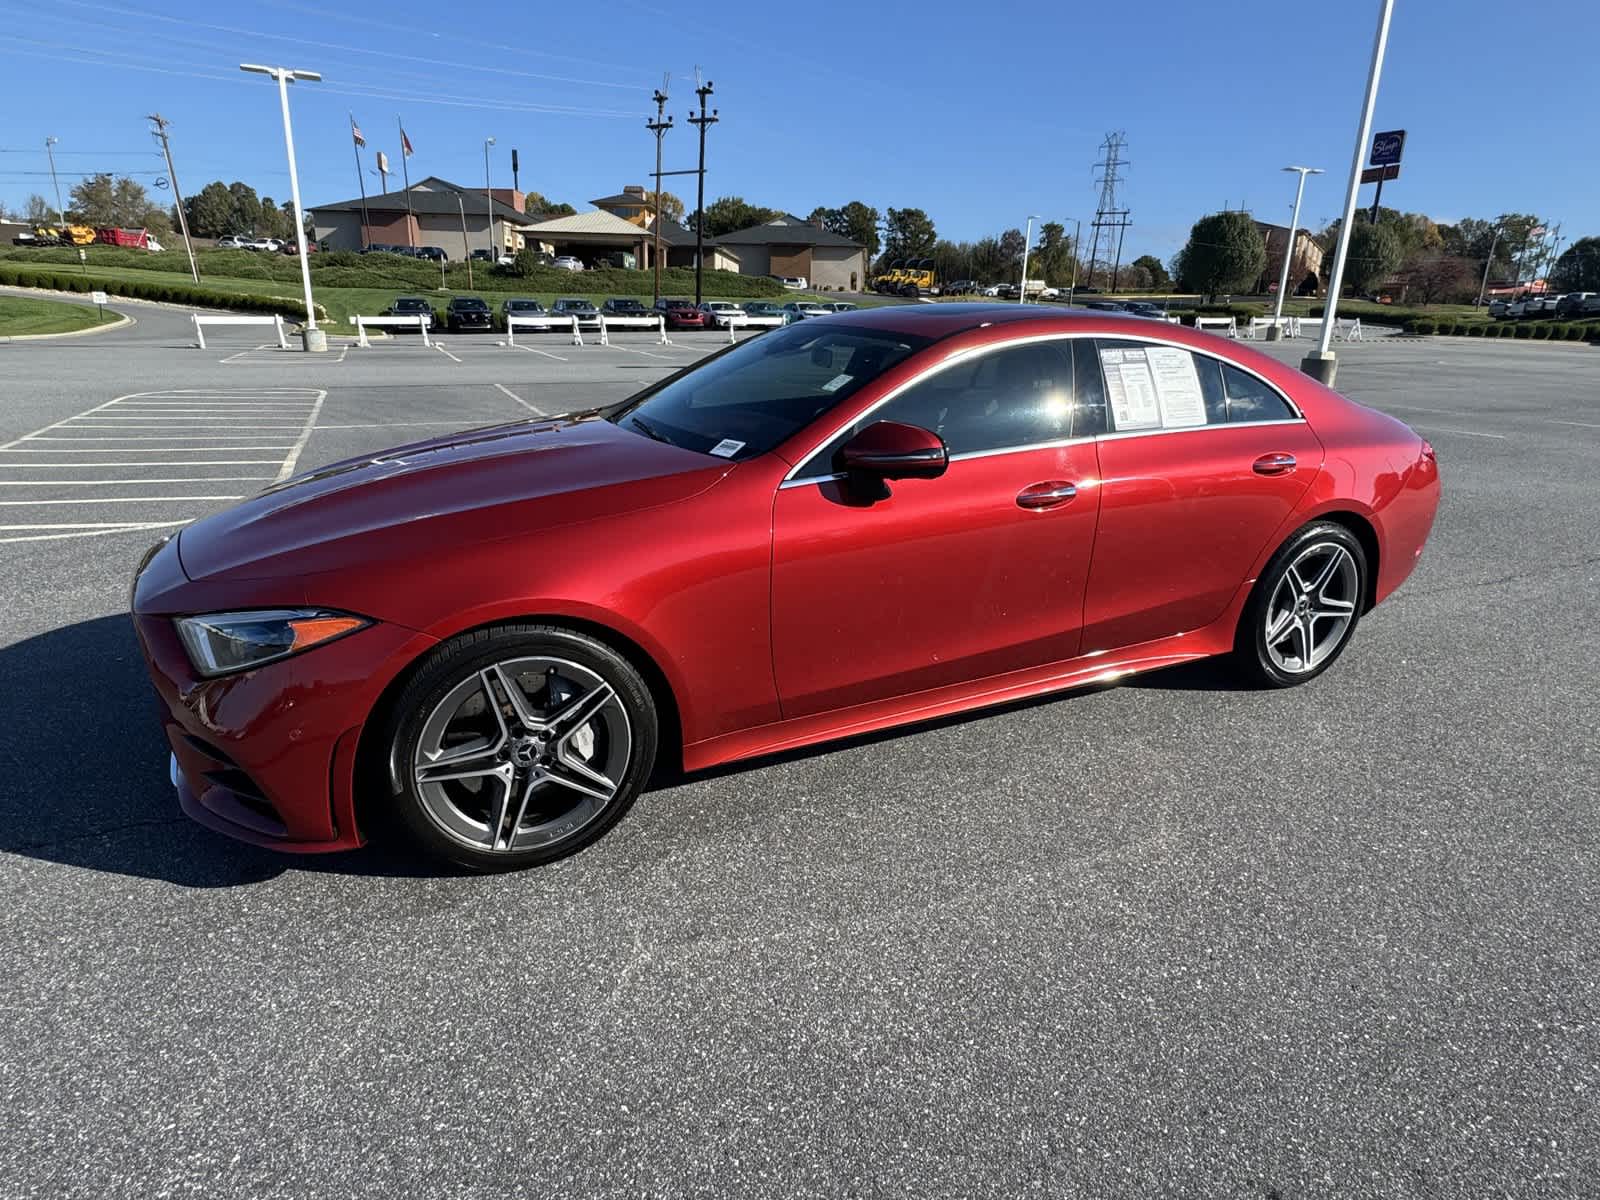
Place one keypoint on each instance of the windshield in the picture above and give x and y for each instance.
(753, 396)
(470, 305)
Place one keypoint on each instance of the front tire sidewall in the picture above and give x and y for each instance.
(1250, 644)
(470, 653)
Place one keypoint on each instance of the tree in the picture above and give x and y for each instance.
(39, 210)
(1011, 244)
(908, 233)
(246, 207)
(535, 204)
(857, 221)
(211, 211)
(1578, 268)
(669, 206)
(92, 201)
(104, 200)
(987, 261)
(1439, 278)
(1154, 268)
(729, 213)
(1053, 255)
(1225, 253)
(1376, 251)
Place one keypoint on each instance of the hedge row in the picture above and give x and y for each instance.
(155, 289)
(1548, 331)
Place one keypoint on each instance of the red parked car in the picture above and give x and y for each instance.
(683, 314)
(848, 524)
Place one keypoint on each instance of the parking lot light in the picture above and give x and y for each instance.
(1321, 363)
(488, 201)
(312, 338)
(1275, 331)
(1022, 290)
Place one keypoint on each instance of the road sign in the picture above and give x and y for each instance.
(1386, 147)
(1378, 174)
(98, 297)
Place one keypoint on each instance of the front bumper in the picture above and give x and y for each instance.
(266, 756)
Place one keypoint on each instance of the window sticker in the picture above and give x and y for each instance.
(837, 382)
(1130, 390)
(726, 448)
(1177, 387)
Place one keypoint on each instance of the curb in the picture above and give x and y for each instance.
(122, 322)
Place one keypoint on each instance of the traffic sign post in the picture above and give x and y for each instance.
(1387, 148)
(99, 298)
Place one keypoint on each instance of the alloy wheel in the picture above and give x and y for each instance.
(522, 754)
(1312, 608)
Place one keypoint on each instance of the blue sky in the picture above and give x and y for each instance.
(980, 114)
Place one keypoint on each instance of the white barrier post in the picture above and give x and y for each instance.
(666, 341)
(577, 336)
(361, 334)
(283, 342)
(200, 334)
(422, 328)
(664, 331)
(605, 338)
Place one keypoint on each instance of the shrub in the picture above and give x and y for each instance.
(1522, 331)
(1575, 333)
(1475, 330)
(154, 289)
(1541, 331)
(1422, 325)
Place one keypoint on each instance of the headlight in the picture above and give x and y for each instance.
(221, 643)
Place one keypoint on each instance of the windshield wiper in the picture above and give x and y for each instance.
(649, 430)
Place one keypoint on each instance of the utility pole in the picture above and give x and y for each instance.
(466, 246)
(50, 142)
(1108, 215)
(659, 127)
(1487, 263)
(160, 131)
(702, 121)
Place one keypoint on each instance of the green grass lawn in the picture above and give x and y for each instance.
(19, 316)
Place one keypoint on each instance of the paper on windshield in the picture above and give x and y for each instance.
(1130, 389)
(727, 448)
(1177, 386)
(837, 382)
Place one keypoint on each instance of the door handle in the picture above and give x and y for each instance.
(1048, 494)
(1273, 464)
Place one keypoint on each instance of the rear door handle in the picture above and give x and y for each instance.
(1273, 464)
(1048, 494)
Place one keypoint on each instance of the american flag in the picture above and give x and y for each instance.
(355, 131)
(405, 143)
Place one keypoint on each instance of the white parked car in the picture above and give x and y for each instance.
(270, 245)
(795, 283)
(723, 313)
(992, 290)
(802, 310)
(567, 263)
(233, 241)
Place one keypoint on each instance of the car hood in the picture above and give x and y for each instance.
(501, 481)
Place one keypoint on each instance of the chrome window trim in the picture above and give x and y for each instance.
(794, 478)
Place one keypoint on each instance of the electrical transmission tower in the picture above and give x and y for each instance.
(1109, 215)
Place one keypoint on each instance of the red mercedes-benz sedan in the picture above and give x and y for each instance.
(844, 525)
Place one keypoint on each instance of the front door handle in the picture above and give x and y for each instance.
(1048, 494)
(1273, 464)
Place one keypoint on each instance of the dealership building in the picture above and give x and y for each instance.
(432, 212)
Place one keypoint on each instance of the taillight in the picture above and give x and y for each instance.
(1427, 450)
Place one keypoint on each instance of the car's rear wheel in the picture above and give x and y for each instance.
(519, 745)
(1304, 608)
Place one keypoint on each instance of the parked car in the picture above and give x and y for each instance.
(520, 625)
(234, 241)
(519, 308)
(412, 306)
(1590, 306)
(1144, 308)
(292, 247)
(681, 314)
(567, 263)
(571, 306)
(840, 306)
(465, 313)
(1500, 308)
(624, 306)
(1105, 305)
(805, 309)
(960, 287)
(1525, 306)
(795, 283)
(762, 308)
(432, 253)
(1571, 303)
(723, 313)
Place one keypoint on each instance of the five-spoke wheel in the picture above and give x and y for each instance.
(518, 745)
(1305, 606)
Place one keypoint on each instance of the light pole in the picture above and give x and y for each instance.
(1077, 239)
(1321, 363)
(1487, 263)
(1275, 330)
(488, 201)
(1027, 239)
(312, 338)
(49, 142)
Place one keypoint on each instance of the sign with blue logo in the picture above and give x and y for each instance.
(1386, 147)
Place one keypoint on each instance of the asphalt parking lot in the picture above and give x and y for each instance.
(1168, 938)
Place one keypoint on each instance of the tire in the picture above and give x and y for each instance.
(492, 784)
(1313, 587)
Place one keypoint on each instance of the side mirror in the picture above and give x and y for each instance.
(891, 450)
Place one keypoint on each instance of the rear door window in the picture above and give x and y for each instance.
(1150, 386)
(1251, 399)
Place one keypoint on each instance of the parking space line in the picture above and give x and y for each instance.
(445, 352)
(1579, 424)
(6, 465)
(1499, 437)
(121, 482)
(533, 350)
(300, 444)
(136, 449)
(536, 412)
(87, 529)
(107, 500)
(247, 350)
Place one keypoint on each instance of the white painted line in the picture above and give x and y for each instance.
(99, 424)
(1447, 412)
(407, 425)
(305, 435)
(43, 483)
(137, 449)
(97, 525)
(83, 531)
(56, 425)
(159, 437)
(531, 350)
(96, 463)
(445, 352)
(248, 350)
(1499, 437)
(1579, 424)
(112, 500)
(646, 353)
(519, 400)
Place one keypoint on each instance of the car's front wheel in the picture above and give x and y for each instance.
(519, 745)
(1304, 608)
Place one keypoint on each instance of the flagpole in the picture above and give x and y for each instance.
(366, 221)
(405, 173)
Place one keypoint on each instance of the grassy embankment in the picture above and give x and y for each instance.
(25, 316)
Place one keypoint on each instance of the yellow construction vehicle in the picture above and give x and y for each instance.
(905, 277)
(63, 235)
